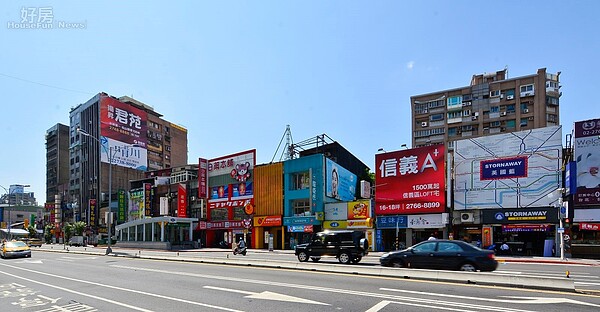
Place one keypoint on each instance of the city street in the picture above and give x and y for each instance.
(77, 282)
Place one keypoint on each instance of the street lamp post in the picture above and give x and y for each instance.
(9, 206)
(110, 162)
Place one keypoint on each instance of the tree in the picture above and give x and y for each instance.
(32, 231)
(68, 230)
(79, 226)
(48, 232)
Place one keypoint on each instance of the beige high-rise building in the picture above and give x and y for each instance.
(491, 104)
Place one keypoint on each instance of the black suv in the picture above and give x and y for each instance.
(347, 246)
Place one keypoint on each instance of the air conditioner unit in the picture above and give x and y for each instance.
(466, 217)
(424, 124)
(510, 97)
(476, 114)
(525, 111)
(501, 96)
(474, 118)
(503, 114)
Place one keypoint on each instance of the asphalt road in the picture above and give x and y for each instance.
(77, 282)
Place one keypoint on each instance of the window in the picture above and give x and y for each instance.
(494, 109)
(219, 214)
(301, 207)
(455, 100)
(426, 247)
(451, 131)
(511, 124)
(494, 93)
(449, 247)
(527, 88)
(523, 122)
(466, 97)
(552, 84)
(510, 93)
(510, 108)
(452, 115)
(523, 106)
(495, 124)
(551, 100)
(300, 181)
(436, 117)
(239, 213)
(466, 113)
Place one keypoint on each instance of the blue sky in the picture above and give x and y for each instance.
(235, 73)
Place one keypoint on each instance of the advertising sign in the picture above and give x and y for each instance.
(92, 215)
(268, 221)
(391, 222)
(425, 221)
(359, 210)
(122, 122)
(520, 215)
(410, 181)
(360, 224)
(587, 157)
(512, 170)
(335, 225)
(147, 200)
(589, 226)
(230, 180)
(136, 204)
(181, 201)
(336, 211)
(526, 228)
(341, 183)
(123, 154)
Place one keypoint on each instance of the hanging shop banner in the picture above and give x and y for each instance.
(93, 213)
(522, 215)
(336, 211)
(202, 177)
(589, 226)
(121, 206)
(526, 228)
(147, 199)
(391, 222)
(487, 237)
(300, 228)
(359, 210)
(427, 221)
(360, 224)
(267, 221)
(220, 225)
(335, 225)
(503, 170)
(587, 156)
(182, 201)
(410, 181)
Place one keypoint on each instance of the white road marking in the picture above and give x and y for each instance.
(403, 299)
(267, 295)
(384, 303)
(31, 261)
(587, 283)
(77, 292)
(111, 287)
(520, 300)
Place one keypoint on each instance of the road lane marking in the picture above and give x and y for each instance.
(521, 300)
(77, 292)
(111, 287)
(327, 289)
(267, 295)
(384, 303)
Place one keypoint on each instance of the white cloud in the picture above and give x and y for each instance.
(410, 65)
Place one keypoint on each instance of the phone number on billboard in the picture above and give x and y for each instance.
(423, 205)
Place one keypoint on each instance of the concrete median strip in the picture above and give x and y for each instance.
(484, 278)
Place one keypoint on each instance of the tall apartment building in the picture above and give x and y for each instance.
(491, 104)
(113, 141)
(57, 161)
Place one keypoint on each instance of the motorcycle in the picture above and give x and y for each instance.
(239, 250)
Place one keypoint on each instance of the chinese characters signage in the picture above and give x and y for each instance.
(202, 178)
(122, 206)
(122, 122)
(181, 201)
(410, 181)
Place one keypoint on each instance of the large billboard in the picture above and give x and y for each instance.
(123, 133)
(512, 170)
(587, 157)
(341, 183)
(410, 181)
(230, 180)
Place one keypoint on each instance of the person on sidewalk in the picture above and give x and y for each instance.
(505, 249)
